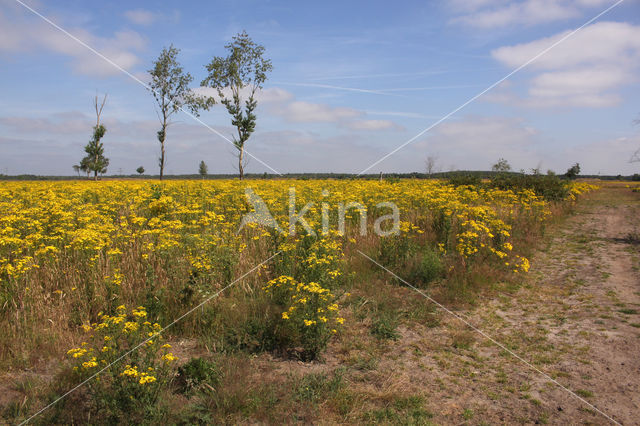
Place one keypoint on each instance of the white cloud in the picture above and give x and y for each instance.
(23, 33)
(474, 143)
(372, 125)
(474, 5)
(486, 14)
(140, 16)
(60, 124)
(578, 88)
(404, 114)
(267, 95)
(584, 70)
(282, 103)
(307, 112)
(604, 41)
(285, 139)
(274, 94)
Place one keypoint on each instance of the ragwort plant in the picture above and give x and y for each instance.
(142, 364)
(309, 273)
(310, 312)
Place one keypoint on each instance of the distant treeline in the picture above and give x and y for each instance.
(304, 176)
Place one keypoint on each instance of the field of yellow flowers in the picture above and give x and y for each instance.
(78, 259)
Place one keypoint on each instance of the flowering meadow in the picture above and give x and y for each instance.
(89, 270)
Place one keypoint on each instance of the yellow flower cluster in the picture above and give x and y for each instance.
(117, 334)
(92, 221)
(309, 308)
(102, 238)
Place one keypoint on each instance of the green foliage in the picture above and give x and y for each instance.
(309, 313)
(385, 323)
(247, 323)
(132, 366)
(573, 171)
(140, 170)
(95, 161)
(317, 387)
(393, 250)
(404, 410)
(203, 169)
(385, 328)
(551, 187)
(428, 268)
(467, 414)
(584, 393)
(501, 166)
(244, 66)
(465, 179)
(197, 372)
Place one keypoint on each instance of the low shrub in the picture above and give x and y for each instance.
(197, 372)
(550, 187)
(427, 267)
(385, 326)
(464, 179)
(142, 365)
(310, 313)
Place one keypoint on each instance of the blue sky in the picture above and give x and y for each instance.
(351, 82)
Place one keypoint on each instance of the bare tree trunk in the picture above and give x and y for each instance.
(162, 137)
(240, 160)
(161, 159)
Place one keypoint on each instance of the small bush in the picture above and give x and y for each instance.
(550, 187)
(128, 389)
(247, 323)
(459, 180)
(394, 250)
(427, 268)
(385, 327)
(196, 372)
(310, 313)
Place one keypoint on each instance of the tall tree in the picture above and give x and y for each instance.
(573, 171)
(203, 169)
(170, 88)
(501, 166)
(430, 164)
(95, 161)
(243, 67)
(84, 166)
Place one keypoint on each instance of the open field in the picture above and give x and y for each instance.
(286, 328)
(423, 213)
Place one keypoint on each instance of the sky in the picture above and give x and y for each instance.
(352, 82)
